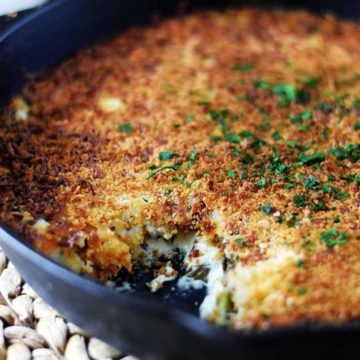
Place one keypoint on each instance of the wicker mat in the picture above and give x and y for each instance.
(31, 329)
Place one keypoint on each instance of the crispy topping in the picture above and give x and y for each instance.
(250, 140)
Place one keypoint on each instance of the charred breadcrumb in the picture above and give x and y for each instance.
(241, 126)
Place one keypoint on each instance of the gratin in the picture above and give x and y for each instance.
(235, 134)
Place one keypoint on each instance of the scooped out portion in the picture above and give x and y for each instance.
(232, 138)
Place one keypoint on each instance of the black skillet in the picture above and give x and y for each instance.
(162, 326)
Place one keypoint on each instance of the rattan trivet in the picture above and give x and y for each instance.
(31, 329)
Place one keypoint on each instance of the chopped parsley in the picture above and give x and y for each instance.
(300, 263)
(244, 175)
(231, 173)
(287, 93)
(333, 237)
(299, 200)
(276, 136)
(312, 159)
(182, 179)
(325, 133)
(247, 134)
(311, 81)
(311, 182)
(126, 128)
(290, 144)
(233, 138)
(193, 154)
(243, 68)
(262, 84)
(302, 291)
(166, 155)
(247, 159)
(215, 138)
(267, 209)
(174, 167)
(262, 183)
(203, 103)
(350, 151)
(240, 241)
(324, 107)
(336, 219)
(263, 127)
(299, 119)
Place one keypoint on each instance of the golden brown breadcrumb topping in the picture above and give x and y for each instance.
(241, 126)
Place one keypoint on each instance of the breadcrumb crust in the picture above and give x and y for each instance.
(242, 126)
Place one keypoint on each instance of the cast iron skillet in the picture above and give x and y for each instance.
(163, 326)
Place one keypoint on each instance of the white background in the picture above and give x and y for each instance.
(11, 6)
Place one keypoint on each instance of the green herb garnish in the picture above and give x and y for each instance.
(240, 241)
(267, 209)
(302, 291)
(126, 128)
(233, 138)
(243, 68)
(311, 182)
(262, 84)
(262, 183)
(336, 219)
(299, 200)
(350, 151)
(244, 175)
(276, 136)
(333, 237)
(166, 155)
(325, 133)
(231, 173)
(193, 154)
(311, 159)
(287, 92)
(174, 167)
(247, 134)
(311, 81)
(215, 138)
(300, 263)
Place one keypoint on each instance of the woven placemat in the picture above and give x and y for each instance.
(31, 329)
